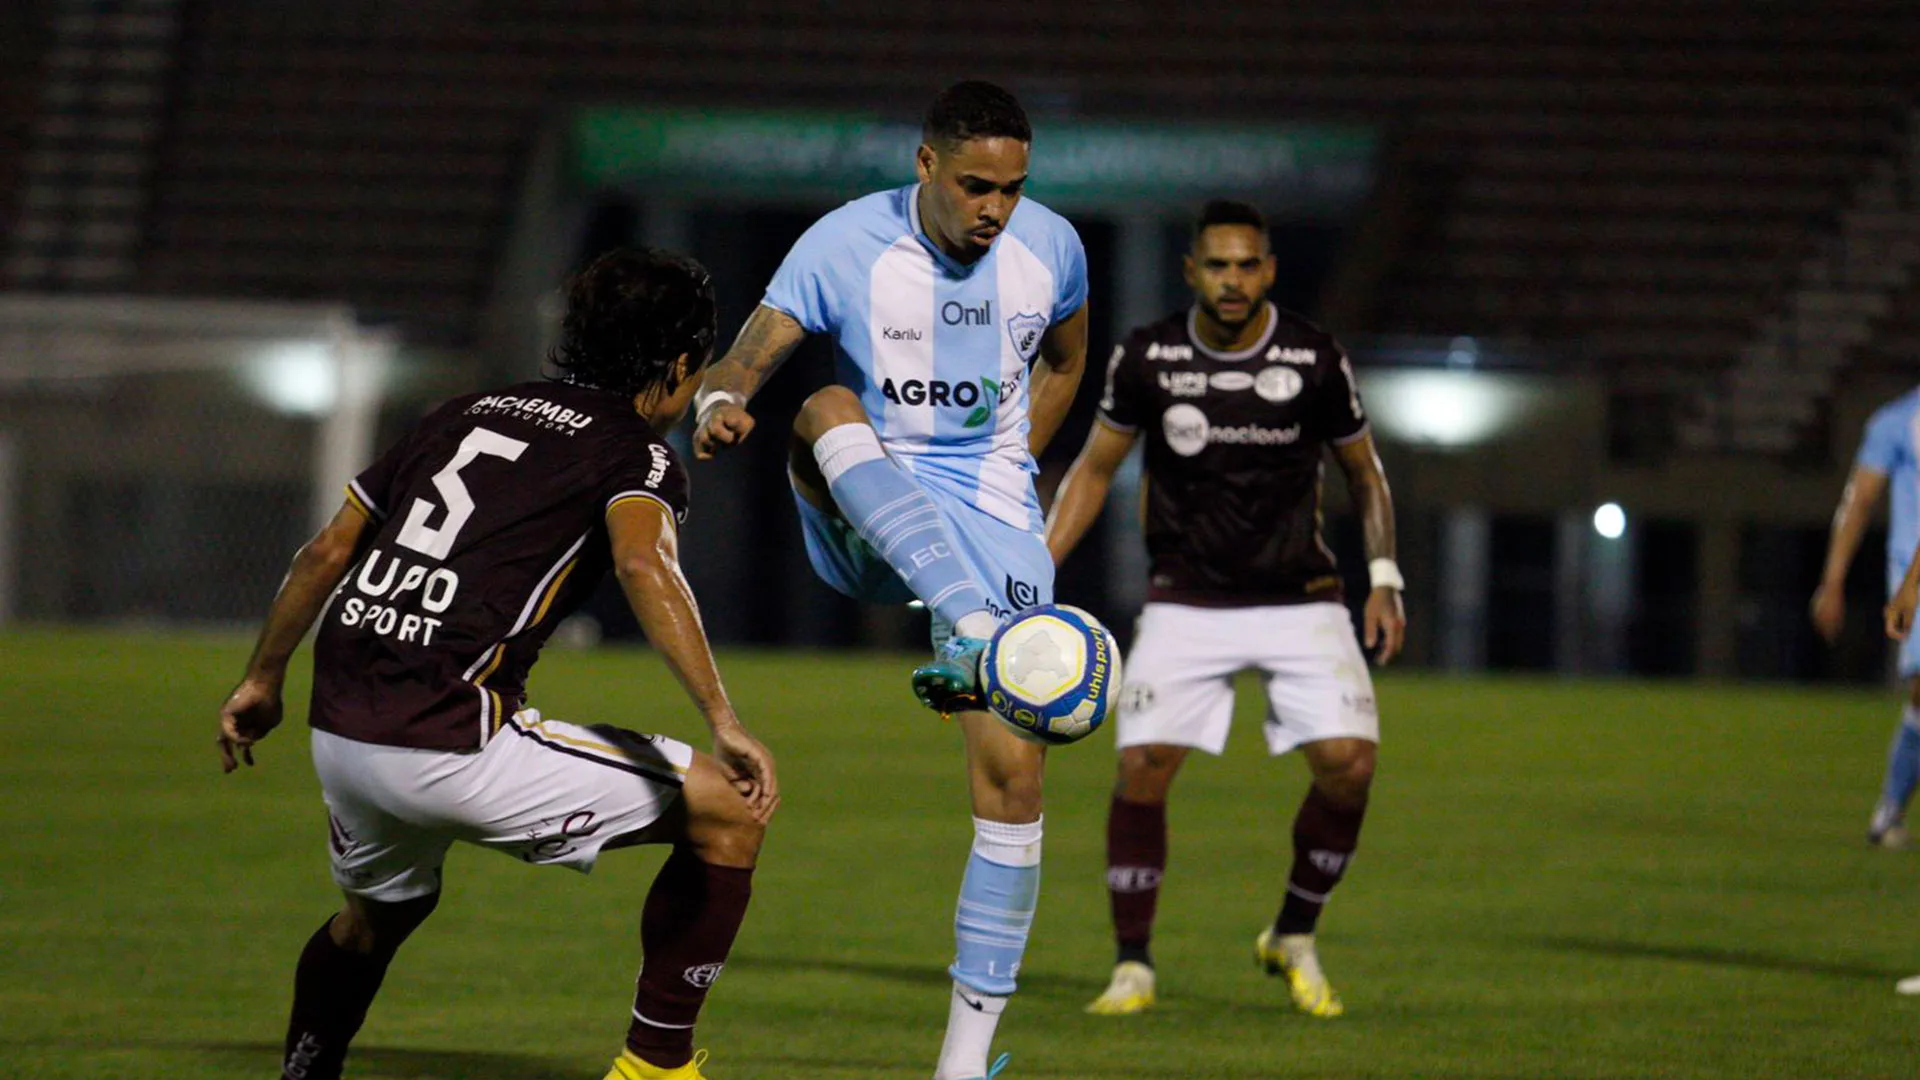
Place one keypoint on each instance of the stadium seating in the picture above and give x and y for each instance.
(1643, 180)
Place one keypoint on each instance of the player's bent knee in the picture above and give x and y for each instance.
(828, 408)
(1349, 779)
(370, 927)
(720, 825)
(1146, 772)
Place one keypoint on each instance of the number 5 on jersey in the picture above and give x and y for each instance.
(437, 542)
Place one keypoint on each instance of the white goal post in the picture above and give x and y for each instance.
(158, 457)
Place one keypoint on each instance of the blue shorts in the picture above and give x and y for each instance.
(1910, 656)
(1012, 565)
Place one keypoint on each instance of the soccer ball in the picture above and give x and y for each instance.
(1052, 674)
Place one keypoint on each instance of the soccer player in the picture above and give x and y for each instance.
(958, 312)
(1238, 401)
(1888, 456)
(436, 584)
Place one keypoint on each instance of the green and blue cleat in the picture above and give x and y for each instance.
(951, 682)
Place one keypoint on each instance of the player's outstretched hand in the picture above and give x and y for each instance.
(251, 712)
(1386, 624)
(1828, 610)
(1899, 613)
(749, 768)
(725, 424)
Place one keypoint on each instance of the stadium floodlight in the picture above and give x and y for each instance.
(1447, 409)
(1610, 521)
(296, 378)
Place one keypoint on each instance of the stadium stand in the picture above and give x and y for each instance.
(1646, 181)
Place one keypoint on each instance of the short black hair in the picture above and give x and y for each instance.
(630, 314)
(974, 110)
(1228, 212)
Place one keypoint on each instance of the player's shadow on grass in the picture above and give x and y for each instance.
(399, 1063)
(1706, 954)
(1037, 983)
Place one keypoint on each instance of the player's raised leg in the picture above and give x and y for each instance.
(1136, 863)
(339, 973)
(999, 893)
(1888, 827)
(1326, 832)
(839, 457)
(692, 914)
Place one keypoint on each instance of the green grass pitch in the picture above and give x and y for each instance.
(1558, 879)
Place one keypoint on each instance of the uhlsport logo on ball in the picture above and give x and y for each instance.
(1052, 673)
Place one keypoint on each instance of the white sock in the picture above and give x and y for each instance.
(979, 624)
(971, 1020)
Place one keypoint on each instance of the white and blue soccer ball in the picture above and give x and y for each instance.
(1052, 674)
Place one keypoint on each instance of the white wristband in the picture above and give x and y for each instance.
(706, 401)
(1385, 574)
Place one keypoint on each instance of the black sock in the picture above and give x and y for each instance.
(1325, 835)
(332, 989)
(687, 929)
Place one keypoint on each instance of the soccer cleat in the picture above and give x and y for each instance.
(1292, 955)
(1887, 829)
(1908, 986)
(630, 1066)
(1893, 838)
(950, 683)
(1131, 991)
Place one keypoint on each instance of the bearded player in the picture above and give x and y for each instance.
(957, 310)
(1238, 401)
(455, 555)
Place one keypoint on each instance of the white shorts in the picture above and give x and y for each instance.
(1179, 688)
(549, 793)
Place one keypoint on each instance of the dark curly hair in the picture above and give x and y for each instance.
(1228, 212)
(630, 314)
(974, 110)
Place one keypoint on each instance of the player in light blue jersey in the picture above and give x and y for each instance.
(1889, 461)
(958, 314)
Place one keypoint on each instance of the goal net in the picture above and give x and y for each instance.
(160, 459)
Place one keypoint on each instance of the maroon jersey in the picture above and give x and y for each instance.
(1235, 443)
(490, 527)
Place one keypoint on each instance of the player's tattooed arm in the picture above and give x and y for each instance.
(254, 708)
(1076, 506)
(1386, 618)
(764, 343)
(1850, 520)
(646, 560)
(1056, 377)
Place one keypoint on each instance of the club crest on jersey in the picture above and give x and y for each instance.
(1025, 330)
(1278, 384)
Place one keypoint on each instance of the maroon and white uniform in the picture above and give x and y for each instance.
(489, 529)
(1241, 577)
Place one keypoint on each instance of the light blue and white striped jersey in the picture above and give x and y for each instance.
(1892, 448)
(939, 351)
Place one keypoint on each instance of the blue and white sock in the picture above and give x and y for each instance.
(893, 514)
(1903, 771)
(997, 901)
